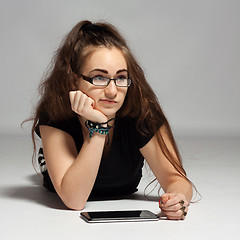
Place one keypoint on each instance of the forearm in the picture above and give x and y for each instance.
(181, 186)
(79, 179)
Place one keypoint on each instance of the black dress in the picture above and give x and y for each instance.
(120, 173)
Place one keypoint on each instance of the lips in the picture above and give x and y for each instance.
(108, 101)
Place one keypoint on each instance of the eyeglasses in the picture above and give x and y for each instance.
(104, 81)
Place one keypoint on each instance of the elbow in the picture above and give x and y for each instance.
(73, 202)
(74, 199)
(75, 205)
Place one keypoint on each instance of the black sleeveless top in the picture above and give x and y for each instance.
(120, 173)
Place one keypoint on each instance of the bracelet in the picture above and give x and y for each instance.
(97, 127)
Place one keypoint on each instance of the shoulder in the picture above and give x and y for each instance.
(143, 127)
(67, 125)
(140, 132)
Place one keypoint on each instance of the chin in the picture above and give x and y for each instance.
(109, 113)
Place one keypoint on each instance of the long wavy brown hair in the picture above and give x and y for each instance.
(140, 101)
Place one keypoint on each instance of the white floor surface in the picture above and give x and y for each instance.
(28, 211)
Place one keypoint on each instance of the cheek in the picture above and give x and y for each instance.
(94, 94)
(124, 94)
(90, 92)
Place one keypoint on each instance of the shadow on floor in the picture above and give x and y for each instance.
(35, 192)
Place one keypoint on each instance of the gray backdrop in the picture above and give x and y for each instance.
(189, 50)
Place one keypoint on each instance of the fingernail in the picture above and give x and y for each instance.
(164, 199)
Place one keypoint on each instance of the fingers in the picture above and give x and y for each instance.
(170, 199)
(178, 215)
(80, 102)
(164, 198)
(84, 106)
(89, 102)
(71, 96)
(173, 206)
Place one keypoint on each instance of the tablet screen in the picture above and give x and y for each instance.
(111, 216)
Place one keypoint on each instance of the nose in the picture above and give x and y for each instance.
(111, 90)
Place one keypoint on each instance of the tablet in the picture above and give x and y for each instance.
(119, 216)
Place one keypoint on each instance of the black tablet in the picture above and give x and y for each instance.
(119, 216)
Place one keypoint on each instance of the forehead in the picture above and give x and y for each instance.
(111, 59)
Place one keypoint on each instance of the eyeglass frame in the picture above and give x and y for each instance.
(90, 80)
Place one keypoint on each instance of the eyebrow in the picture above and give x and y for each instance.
(105, 71)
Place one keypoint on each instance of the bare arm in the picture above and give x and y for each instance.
(73, 175)
(175, 186)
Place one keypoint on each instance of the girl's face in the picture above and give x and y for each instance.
(105, 62)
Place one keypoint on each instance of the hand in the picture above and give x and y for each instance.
(84, 106)
(172, 207)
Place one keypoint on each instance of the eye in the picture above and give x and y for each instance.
(99, 78)
(122, 77)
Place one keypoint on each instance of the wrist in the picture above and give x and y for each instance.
(95, 127)
(82, 120)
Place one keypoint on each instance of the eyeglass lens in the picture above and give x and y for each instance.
(103, 81)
